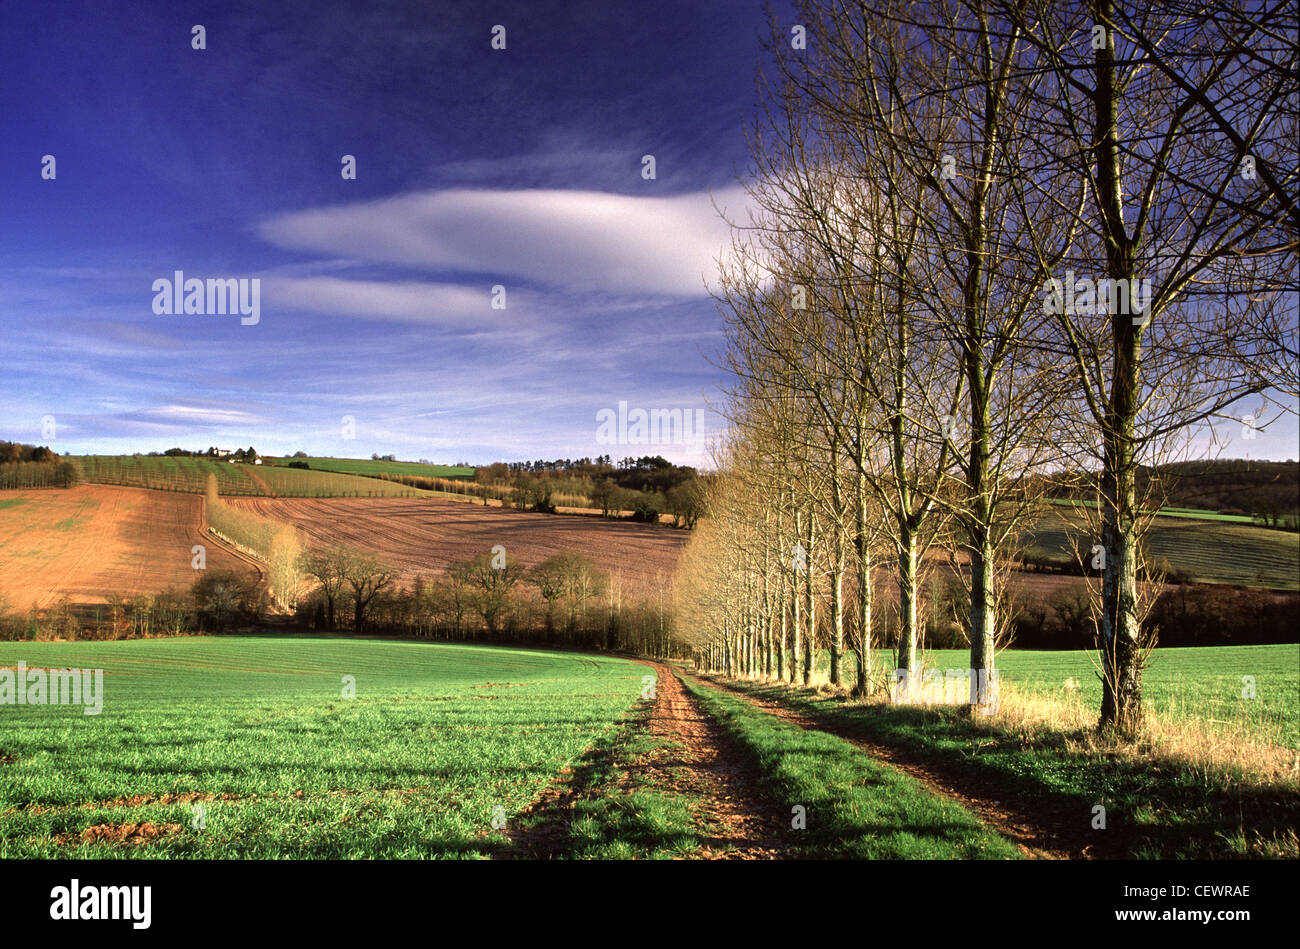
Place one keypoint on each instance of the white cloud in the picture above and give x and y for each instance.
(415, 302)
(195, 415)
(580, 240)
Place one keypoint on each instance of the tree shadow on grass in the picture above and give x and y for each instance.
(607, 808)
(1154, 807)
(542, 830)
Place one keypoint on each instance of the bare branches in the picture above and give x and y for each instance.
(990, 240)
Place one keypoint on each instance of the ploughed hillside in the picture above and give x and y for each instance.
(422, 535)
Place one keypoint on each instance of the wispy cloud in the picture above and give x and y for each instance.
(191, 416)
(407, 301)
(581, 240)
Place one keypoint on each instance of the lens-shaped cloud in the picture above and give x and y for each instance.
(581, 240)
(408, 301)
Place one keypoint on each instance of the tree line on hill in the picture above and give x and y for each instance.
(645, 487)
(239, 454)
(647, 473)
(567, 601)
(1268, 491)
(34, 466)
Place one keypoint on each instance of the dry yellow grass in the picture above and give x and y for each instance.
(1218, 754)
(1227, 756)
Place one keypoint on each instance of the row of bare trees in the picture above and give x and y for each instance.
(988, 240)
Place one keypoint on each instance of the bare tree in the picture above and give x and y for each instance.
(327, 567)
(550, 578)
(367, 576)
(492, 586)
(1167, 209)
(947, 102)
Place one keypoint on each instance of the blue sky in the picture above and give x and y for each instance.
(475, 168)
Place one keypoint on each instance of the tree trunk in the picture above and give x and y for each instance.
(837, 619)
(837, 570)
(1121, 704)
(907, 594)
(809, 603)
(982, 622)
(780, 643)
(797, 631)
(862, 554)
(983, 598)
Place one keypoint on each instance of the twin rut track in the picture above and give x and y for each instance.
(1060, 837)
(740, 822)
(735, 821)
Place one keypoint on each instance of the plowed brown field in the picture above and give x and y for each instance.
(422, 535)
(95, 540)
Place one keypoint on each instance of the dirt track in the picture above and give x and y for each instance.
(735, 821)
(709, 765)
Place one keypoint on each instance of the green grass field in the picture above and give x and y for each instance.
(1200, 515)
(1195, 513)
(257, 733)
(1204, 683)
(297, 483)
(1158, 807)
(256, 729)
(248, 747)
(1204, 550)
(367, 467)
(189, 475)
(855, 807)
